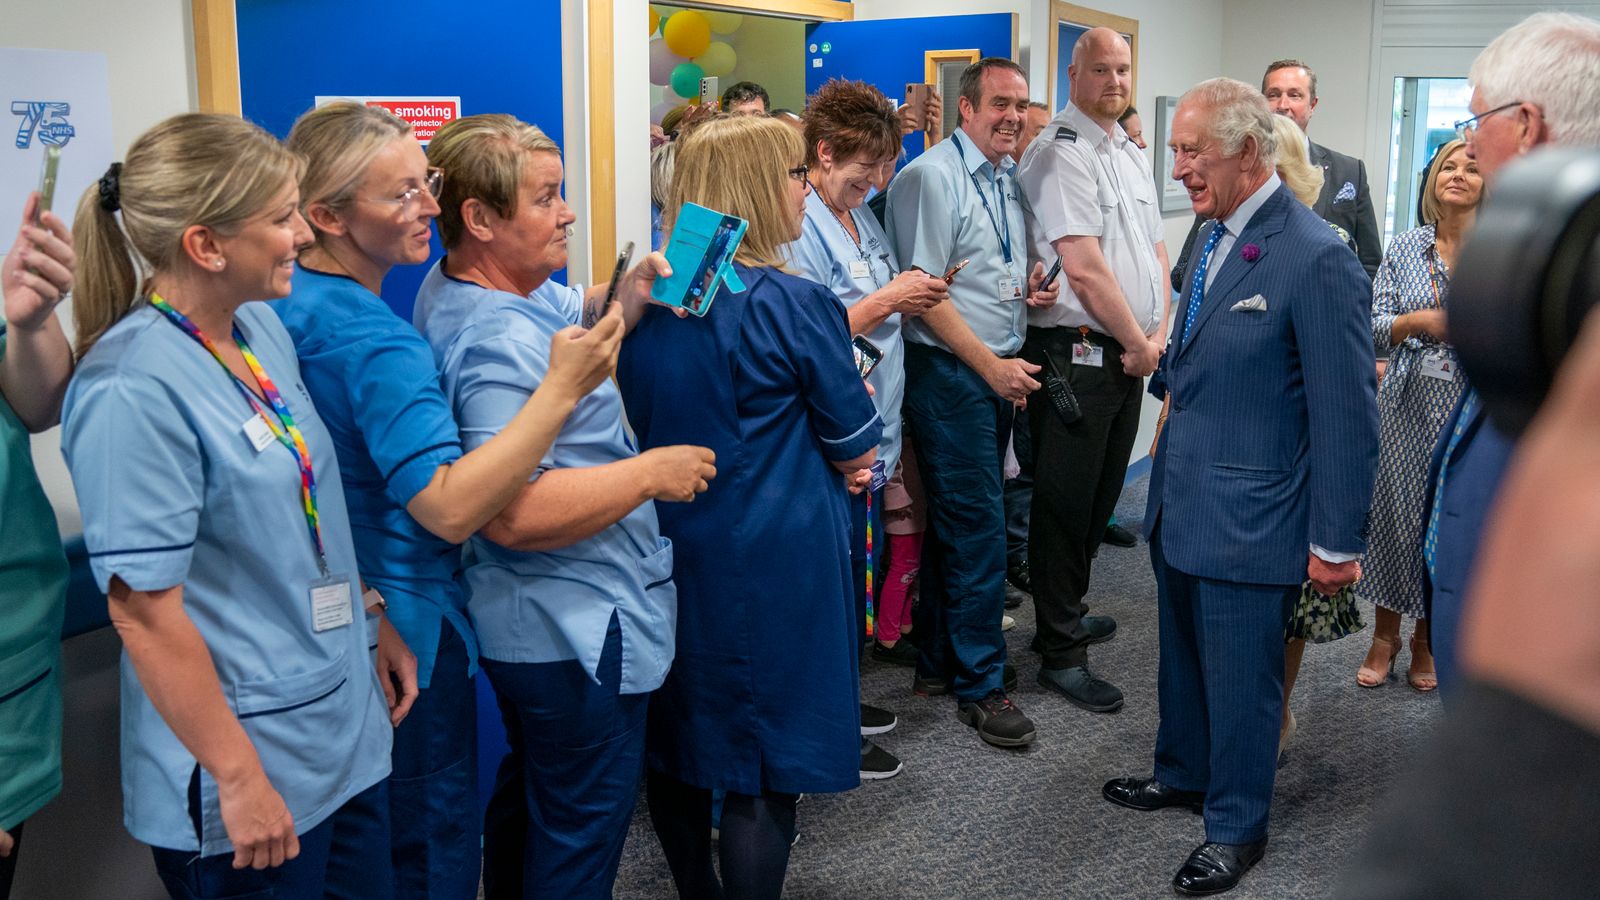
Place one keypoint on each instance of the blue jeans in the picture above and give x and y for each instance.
(960, 428)
(433, 793)
(565, 793)
(347, 856)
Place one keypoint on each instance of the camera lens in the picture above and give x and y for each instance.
(1526, 278)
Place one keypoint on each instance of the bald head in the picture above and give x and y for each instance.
(1102, 75)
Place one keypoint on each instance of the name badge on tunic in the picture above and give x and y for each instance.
(258, 434)
(330, 603)
(1010, 289)
(1087, 354)
(1437, 364)
(859, 269)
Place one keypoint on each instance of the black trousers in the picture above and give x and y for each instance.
(1078, 471)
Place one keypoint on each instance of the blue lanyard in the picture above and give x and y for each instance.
(1005, 239)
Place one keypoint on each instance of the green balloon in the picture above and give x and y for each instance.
(686, 79)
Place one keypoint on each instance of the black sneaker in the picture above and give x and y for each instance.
(877, 721)
(1082, 688)
(1117, 536)
(999, 722)
(878, 763)
(935, 686)
(903, 653)
(1015, 597)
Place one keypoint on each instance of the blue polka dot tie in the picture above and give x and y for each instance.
(1197, 294)
(1430, 541)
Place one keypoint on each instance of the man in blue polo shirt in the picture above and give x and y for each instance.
(957, 205)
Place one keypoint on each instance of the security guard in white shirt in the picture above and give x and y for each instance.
(1091, 202)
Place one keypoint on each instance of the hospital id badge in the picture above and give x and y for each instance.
(879, 476)
(1438, 364)
(859, 269)
(1010, 289)
(258, 434)
(1087, 354)
(330, 603)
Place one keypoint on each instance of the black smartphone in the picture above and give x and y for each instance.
(623, 259)
(47, 181)
(1050, 276)
(867, 355)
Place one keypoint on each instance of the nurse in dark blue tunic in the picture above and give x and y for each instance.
(766, 380)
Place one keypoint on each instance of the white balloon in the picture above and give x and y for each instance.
(662, 62)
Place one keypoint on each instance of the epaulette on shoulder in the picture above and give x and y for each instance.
(1065, 133)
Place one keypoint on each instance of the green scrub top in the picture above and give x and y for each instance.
(33, 581)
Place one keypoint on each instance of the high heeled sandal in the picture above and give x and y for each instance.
(1369, 675)
(1423, 682)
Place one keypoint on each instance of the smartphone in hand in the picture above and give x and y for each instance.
(867, 355)
(623, 259)
(950, 276)
(47, 181)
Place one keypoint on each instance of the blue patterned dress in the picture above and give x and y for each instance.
(1412, 408)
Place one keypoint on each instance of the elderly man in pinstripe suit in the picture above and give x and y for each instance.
(1263, 474)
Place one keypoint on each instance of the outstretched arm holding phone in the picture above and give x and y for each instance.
(36, 277)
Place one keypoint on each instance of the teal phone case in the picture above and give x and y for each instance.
(701, 255)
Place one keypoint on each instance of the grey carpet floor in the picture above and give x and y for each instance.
(965, 820)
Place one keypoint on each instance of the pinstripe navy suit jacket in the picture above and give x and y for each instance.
(1271, 444)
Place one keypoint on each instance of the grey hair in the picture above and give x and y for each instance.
(662, 161)
(1552, 60)
(1236, 111)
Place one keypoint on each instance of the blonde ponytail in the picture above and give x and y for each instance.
(106, 281)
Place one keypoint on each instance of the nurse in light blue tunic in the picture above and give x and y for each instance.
(571, 594)
(255, 737)
(414, 496)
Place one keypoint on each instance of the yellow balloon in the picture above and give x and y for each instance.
(655, 20)
(688, 34)
(718, 60)
(723, 22)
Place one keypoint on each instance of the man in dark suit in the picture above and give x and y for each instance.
(1262, 477)
(1290, 87)
(1291, 90)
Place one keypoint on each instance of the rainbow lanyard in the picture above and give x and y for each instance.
(870, 630)
(281, 423)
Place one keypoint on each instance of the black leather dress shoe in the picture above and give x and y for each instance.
(1213, 868)
(1117, 536)
(1148, 795)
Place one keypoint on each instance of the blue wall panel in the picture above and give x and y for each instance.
(496, 55)
(887, 53)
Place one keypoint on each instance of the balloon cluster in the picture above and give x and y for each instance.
(686, 46)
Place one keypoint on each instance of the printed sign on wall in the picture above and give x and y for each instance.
(51, 98)
(426, 114)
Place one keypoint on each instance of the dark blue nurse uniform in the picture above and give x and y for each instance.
(763, 695)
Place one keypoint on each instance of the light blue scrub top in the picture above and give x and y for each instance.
(493, 349)
(374, 384)
(824, 254)
(173, 493)
(936, 218)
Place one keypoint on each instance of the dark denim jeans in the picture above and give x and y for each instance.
(960, 427)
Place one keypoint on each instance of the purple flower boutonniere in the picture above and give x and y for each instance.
(1250, 252)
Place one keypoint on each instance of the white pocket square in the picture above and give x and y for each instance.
(1257, 303)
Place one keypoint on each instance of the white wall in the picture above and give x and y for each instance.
(76, 847)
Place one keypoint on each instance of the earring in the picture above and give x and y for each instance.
(220, 264)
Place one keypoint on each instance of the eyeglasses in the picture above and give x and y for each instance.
(410, 200)
(799, 173)
(1466, 128)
